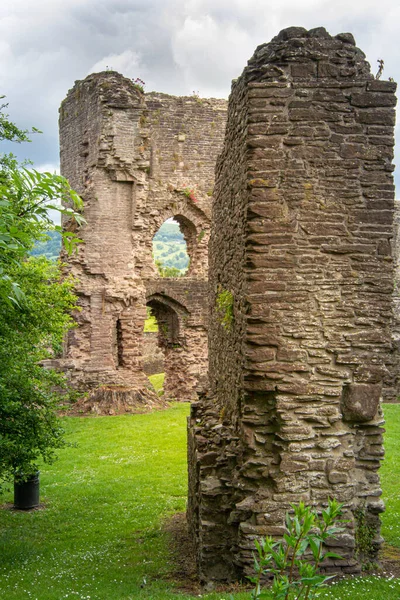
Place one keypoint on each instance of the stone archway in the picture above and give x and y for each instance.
(194, 223)
(180, 308)
(172, 333)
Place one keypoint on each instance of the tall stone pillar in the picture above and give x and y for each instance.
(103, 155)
(300, 290)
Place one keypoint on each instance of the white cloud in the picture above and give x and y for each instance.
(176, 46)
(49, 168)
(127, 63)
(210, 54)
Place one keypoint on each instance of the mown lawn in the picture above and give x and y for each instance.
(390, 474)
(157, 381)
(99, 535)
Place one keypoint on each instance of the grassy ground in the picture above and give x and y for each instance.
(390, 474)
(99, 535)
(150, 325)
(157, 381)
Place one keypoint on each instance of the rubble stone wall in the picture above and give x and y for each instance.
(392, 387)
(301, 278)
(153, 357)
(180, 308)
(137, 159)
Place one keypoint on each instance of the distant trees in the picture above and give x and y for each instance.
(169, 250)
(49, 247)
(169, 232)
(167, 271)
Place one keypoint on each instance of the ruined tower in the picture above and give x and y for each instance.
(300, 299)
(137, 159)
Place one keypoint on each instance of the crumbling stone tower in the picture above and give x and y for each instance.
(300, 298)
(134, 158)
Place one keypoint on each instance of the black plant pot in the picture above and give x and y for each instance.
(26, 493)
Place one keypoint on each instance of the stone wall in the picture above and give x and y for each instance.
(137, 159)
(153, 357)
(180, 308)
(300, 256)
(392, 380)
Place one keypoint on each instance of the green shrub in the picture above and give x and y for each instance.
(293, 563)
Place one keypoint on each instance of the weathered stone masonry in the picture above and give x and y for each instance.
(133, 157)
(301, 238)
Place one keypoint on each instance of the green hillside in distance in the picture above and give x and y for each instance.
(49, 248)
(169, 247)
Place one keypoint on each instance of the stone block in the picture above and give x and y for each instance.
(360, 401)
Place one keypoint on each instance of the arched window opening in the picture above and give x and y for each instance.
(168, 324)
(164, 348)
(173, 246)
(150, 324)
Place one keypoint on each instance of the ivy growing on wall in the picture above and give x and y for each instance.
(225, 307)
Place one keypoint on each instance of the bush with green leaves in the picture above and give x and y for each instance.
(35, 306)
(26, 196)
(30, 393)
(293, 563)
(25, 199)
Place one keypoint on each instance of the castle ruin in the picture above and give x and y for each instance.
(300, 281)
(135, 158)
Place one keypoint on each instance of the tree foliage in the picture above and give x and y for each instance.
(25, 199)
(29, 393)
(165, 271)
(35, 306)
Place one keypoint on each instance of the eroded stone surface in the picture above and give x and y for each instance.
(301, 240)
(134, 158)
(360, 401)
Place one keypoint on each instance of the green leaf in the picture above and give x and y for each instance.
(332, 555)
(302, 547)
(315, 545)
(290, 540)
(314, 581)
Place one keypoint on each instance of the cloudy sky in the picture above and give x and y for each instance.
(175, 46)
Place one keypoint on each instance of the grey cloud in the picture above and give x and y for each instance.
(176, 46)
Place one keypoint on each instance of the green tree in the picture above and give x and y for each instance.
(10, 133)
(35, 305)
(25, 199)
(165, 271)
(29, 393)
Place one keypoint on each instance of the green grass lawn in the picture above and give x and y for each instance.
(100, 536)
(150, 324)
(390, 474)
(157, 381)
